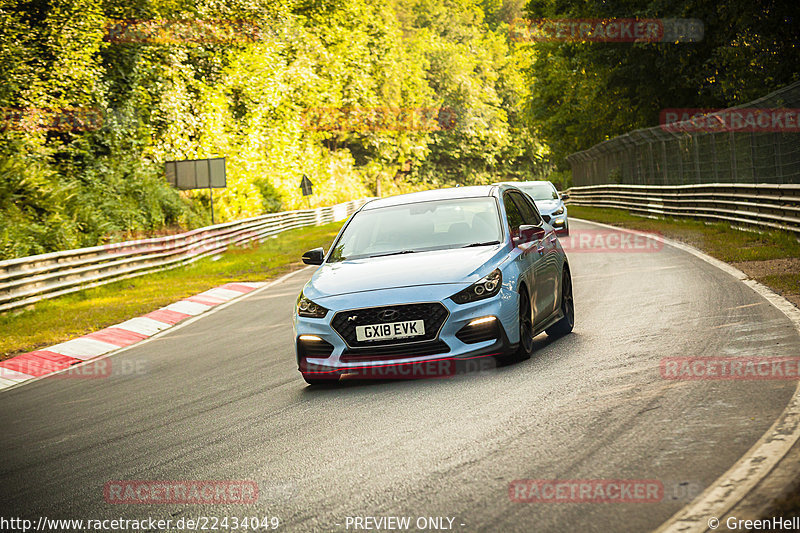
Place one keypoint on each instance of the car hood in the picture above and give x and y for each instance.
(547, 206)
(459, 266)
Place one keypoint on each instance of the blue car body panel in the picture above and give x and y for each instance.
(436, 276)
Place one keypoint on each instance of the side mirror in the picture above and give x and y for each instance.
(528, 232)
(314, 257)
(565, 196)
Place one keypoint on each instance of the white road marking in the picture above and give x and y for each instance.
(143, 325)
(13, 375)
(188, 308)
(83, 349)
(732, 486)
(225, 294)
(24, 379)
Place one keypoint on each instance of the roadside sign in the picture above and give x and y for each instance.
(306, 185)
(196, 173)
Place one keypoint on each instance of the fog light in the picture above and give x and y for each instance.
(313, 346)
(479, 330)
(483, 320)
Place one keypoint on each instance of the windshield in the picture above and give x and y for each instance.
(539, 191)
(420, 227)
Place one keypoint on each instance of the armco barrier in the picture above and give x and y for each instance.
(28, 280)
(769, 206)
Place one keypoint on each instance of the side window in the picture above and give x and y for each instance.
(529, 213)
(513, 216)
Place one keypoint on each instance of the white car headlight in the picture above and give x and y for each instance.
(486, 287)
(309, 309)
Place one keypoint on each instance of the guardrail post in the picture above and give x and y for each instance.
(696, 158)
(778, 162)
(734, 168)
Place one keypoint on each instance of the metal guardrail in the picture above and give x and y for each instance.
(27, 280)
(769, 206)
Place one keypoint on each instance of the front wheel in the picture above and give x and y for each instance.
(564, 326)
(525, 321)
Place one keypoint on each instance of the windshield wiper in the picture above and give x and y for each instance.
(394, 253)
(487, 243)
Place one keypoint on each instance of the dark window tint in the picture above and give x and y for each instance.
(513, 216)
(529, 213)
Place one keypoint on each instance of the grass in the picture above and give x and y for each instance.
(784, 283)
(73, 315)
(718, 240)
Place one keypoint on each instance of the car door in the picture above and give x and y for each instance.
(528, 257)
(544, 267)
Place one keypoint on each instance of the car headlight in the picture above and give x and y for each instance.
(309, 309)
(485, 287)
(559, 211)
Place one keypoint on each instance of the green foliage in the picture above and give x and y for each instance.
(585, 93)
(244, 99)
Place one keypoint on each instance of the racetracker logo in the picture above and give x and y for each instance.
(438, 369)
(162, 31)
(191, 492)
(42, 364)
(611, 241)
(695, 120)
(730, 368)
(63, 119)
(364, 119)
(607, 30)
(586, 491)
(444, 368)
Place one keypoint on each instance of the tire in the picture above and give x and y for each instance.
(525, 321)
(564, 326)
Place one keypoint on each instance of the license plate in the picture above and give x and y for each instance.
(392, 330)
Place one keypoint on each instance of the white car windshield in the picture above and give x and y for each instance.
(420, 227)
(539, 191)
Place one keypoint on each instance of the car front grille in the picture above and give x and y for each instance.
(382, 353)
(432, 314)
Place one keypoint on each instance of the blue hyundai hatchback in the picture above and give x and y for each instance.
(432, 276)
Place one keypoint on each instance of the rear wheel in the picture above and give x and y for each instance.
(564, 326)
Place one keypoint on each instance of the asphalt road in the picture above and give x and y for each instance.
(220, 399)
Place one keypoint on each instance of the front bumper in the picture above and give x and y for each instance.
(332, 358)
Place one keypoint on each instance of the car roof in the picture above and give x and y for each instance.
(473, 191)
(523, 183)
